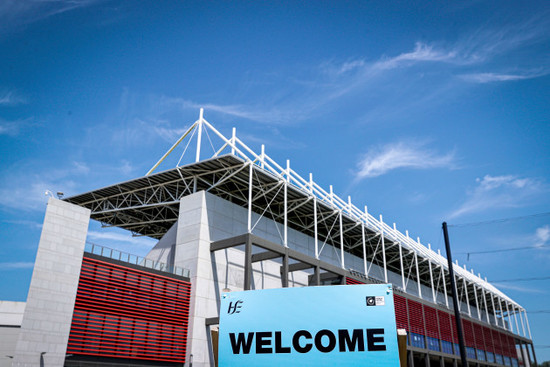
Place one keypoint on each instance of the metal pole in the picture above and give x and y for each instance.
(198, 156)
(250, 171)
(401, 261)
(341, 242)
(383, 249)
(285, 225)
(455, 298)
(431, 272)
(364, 246)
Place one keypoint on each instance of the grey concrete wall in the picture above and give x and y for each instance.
(11, 316)
(50, 301)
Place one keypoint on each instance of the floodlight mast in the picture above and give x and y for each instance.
(455, 298)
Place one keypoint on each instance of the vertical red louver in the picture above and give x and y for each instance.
(416, 317)
(432, 328)
(123, 312)
(445, 326)
(400, 304)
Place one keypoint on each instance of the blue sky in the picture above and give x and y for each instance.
(425, 112)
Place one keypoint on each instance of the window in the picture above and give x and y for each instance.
(433, 344)
(446, 347)
(417, 340)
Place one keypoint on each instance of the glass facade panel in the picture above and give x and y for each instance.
(490, 357)
(471, 352)
(417, 340)
(457, 349)
(498, 359)
(515, 362)
(481, 355)
(446, 347)
(433, 344)
(507, 361)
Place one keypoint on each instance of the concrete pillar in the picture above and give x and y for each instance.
(193, 253)
(50, 302)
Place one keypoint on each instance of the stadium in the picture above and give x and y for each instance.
(229, 221)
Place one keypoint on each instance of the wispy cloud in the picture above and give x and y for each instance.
(520, 288)
(542, 236)
(135, 243)
(422, 53)
(497, 192)
(11, 98)
(401, 155)
(14, 127)
(18, 13)
(494, 77)
(16, 265)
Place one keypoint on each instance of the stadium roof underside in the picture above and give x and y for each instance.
(149, 206)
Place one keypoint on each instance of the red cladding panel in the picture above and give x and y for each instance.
(400, 312)
(488, 337)
(127, 313)
(350, 281)
(478, 334)
(430, 315)
(468, 333)
(416, 318)
(445, 326)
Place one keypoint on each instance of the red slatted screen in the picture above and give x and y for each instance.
(350, 281)
(468, 333)
(430, 315)
(512, 347)
(127, 313)
(445, 326)
(487, 335)
(496, 341)
(455, 334)
(400, 312)
(478, 333)
(416, 317)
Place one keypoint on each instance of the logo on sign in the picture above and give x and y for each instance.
(235, 307)
(375, 301)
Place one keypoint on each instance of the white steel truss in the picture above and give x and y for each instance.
(149, 206)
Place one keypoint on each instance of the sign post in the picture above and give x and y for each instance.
(311, 326)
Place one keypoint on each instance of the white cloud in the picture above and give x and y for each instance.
(497, 192)
(401, 155)
(421, 53)
(519, 288)
(542, 235)
(483, 78)
(17, 13)
(16, 265)
(124, 240)
(12, 128)
(10, 98)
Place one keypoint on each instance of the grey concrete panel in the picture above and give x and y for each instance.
(50, 302)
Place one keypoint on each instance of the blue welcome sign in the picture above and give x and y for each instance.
(348, 325)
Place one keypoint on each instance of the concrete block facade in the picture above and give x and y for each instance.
(47, 319)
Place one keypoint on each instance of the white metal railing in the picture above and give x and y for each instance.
(93, 248)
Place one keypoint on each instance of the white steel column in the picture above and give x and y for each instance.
(199, 136)
(364, 242)
(250, 171)
(486, 308)
(341, 242)
(285, 224)
(477, 303)
(444, 281)
(316, 239)
(431, 273)
(527, 323)
(262, 157)
(494, 309)
(509, 318)
(501, 313)
(522, 324)
(516, 318)
(383, 249)
(418, 283)
(467, 298)
(233, 140)
(400, 259)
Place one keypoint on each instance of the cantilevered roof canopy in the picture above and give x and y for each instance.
(149, 205)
